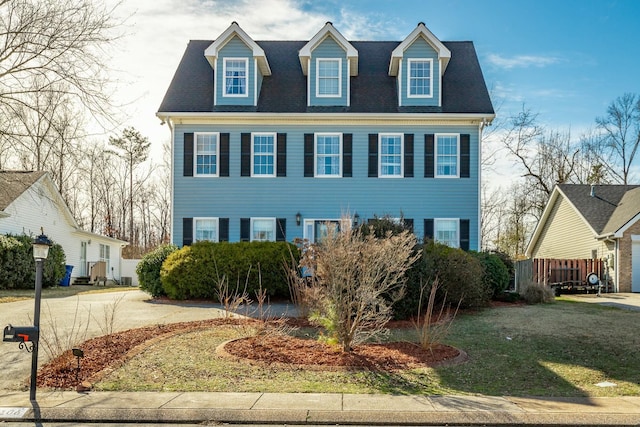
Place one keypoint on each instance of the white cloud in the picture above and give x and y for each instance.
(521, 61)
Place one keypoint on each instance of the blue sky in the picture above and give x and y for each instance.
(564, 59)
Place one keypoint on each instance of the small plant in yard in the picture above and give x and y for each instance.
(433, 326)
(537, 293)
(55, 339)
(109, 311)
(231, 299)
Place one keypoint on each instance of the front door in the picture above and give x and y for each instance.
(83, 259)
(635, 264)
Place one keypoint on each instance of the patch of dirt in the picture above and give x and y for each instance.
(106, 353)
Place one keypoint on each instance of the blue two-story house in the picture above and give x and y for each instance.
(276, 140)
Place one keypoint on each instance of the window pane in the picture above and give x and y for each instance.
(206, 229)
(447, 232)
(206, 154)
(447, 159)
(328, 77)
(235, 77)
(263, 154)
(390, 155)
(263, 230)
(328, 155)
(420, 78)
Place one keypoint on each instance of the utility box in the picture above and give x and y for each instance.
(20, 334)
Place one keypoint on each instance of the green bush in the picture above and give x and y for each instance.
(382, 226)
(148, 270)
(194, 271)
(18, 266)
(496, 274)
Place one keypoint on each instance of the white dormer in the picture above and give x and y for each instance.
(239, 65)
(419, 63)
(328, 60)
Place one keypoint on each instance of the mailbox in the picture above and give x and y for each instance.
(20, 334)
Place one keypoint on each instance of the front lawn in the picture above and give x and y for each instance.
(561, 349)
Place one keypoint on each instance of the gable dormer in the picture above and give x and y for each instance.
(419, 63)
(239, 64)
(328, 61)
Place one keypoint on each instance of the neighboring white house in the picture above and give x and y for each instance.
(30, 201)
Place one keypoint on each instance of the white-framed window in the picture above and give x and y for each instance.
(390, 155)
(328, 154)
(447, 155)
(317, 229)
(329, 77)
(235, 76)
(263, 158)
(447, 231)
(206, 154)
(420, 78)
(205, 229)
(105, 255)
(263, 229)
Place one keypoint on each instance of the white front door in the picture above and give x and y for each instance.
(83, 259)
(635, 264)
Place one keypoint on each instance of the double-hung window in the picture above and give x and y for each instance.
(205, 229)
(391, 154)
(263, 159)
(328, 155)
(206, 154)
(235, 76)
(447, 231)
(328, 77)
(420, 80)
(447, 155)
(263, 229)
(105, 255)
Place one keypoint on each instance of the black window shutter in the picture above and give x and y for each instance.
(281, 160)
(347, 155)
(465, 156)
(429, 155)
(408, 155)
(281, 229)
(188, 154)
(464, 234)
(308, 155)
(408, 223)
(224, 154)
(223, 229)
(245, 154)
(373, 155)
(428, 228)
(187, 231)
(245, 229)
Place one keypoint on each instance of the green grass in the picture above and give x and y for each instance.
(11, 295)
(560, 349)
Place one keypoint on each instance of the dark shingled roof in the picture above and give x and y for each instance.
(372, 90)
(599, 209)
(14, 183)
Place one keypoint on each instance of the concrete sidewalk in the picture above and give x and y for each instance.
(313, 408)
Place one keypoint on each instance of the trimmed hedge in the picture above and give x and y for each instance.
(148, 270)
(193, 272)
(19, 268)
(496, 273)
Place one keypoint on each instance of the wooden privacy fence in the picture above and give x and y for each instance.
(565, 271)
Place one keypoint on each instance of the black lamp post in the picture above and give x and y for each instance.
(41, 246)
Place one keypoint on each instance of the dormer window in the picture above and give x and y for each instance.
(329, 77)
(235, 76)
(419, 76)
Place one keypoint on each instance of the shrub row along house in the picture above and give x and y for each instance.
(277, 140)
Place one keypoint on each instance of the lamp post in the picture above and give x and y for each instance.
(41, 246)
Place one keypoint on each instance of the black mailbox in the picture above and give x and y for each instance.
(20, 334)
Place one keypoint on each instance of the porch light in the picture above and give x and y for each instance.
(298, 218)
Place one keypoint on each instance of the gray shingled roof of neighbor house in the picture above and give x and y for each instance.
(607, 207)
(372, 90)
(13, 184)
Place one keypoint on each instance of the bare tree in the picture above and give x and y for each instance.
(617, 144)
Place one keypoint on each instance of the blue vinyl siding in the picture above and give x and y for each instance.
(328, 49)
(236, 197)
(420, 49)
(235, 48)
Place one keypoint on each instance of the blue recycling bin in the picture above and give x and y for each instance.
(66, 280)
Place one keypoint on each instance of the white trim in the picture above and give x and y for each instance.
(274, 154)
(408, 76)
(348, 84)
(211, 52)
(274, 231)
(315, 154)
(439, 84)
(216, 220)
(224, 78)
(399, 85)
(435, 229)
(255, 82)
(420, 31)
(626, 226)
(308, 84)
(390, 134)
(195, 155)
(318, 38)
(435, 156)
(317, 73)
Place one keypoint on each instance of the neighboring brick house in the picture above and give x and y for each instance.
(274, 140)
(593, 222)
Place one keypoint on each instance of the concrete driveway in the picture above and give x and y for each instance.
(625, 301)
(83, 317)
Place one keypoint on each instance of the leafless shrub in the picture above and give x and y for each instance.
(432, 327)
(537, 293)
(55, 340)
(108, 320)
(231, 299)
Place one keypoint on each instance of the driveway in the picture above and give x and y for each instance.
(83, 317)
(625, 301)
